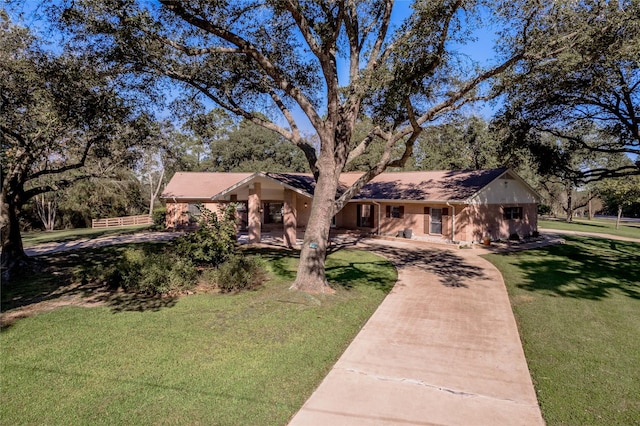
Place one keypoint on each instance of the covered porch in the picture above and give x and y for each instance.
(268, 205)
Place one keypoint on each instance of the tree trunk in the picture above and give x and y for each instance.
(12, 251)
(46, 211)
(569, 207)
(311, 276)
(619, 216)
(153, 194)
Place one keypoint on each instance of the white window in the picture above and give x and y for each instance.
(511, 213)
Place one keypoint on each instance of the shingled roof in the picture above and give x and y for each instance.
(200, 185)
(408, 186)
(429, 185)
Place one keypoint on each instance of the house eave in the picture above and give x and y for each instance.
(220, 196)
(395, 201)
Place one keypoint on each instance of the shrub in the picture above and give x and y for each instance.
(159, 217)
(544, 209)
(208, 277)
(240, 273)
(153, 273)
(214, 241)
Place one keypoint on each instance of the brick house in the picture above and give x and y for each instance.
(460, 206)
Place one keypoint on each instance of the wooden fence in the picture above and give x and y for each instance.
(113, 222)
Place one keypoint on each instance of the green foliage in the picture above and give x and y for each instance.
(250, 148)
(280, 57)
(240, 273)
(620, 193)
(589, 93)
(159, 217)
(142, 271)
(95, 198)
(215, 239)
(62, 121)
(544, 209)
(461, 144)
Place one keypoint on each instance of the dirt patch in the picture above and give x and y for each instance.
(71, 295)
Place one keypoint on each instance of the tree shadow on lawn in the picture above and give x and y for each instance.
(278, 258)
(451, 268)
(350, 275)
(346, 274)
(585, 268)
(74, 278)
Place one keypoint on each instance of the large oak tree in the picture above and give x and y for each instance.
(61, 121)
(588, 94)
(320, 62)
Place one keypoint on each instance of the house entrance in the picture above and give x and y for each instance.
(436, 221)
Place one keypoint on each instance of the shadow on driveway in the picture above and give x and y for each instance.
(452, 269)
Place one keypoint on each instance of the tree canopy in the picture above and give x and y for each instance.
(61, 121)
(330, 61)
(587, 93)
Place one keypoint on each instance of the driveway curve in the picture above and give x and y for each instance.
(84, 243)
(442, 349)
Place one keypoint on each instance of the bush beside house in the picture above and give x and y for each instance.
(179, 266)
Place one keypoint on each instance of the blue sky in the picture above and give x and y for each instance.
(480, 50)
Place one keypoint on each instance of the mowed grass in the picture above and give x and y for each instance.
(578, 309)
(248, 358)
(30, 239)
(599, 226)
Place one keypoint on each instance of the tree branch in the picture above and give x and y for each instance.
(57, 186)
(75, 166)
(193, 51)
(245, 47)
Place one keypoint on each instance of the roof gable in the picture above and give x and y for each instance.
(508, 188)
(298, 182)
(200, 185)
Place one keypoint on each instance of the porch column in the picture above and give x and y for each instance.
(289, 218)
(255, 205)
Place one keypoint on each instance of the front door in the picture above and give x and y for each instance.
(436, 221)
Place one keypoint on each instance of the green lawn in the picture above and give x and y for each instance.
(251, 358)
(33, 238)
(600, 226)
(578, 310)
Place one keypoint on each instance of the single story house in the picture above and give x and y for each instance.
(463, 206)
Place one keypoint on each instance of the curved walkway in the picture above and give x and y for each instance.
(549, 231)
(442, 349)
(55, 247)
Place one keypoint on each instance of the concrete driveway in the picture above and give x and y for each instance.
(442, 349)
